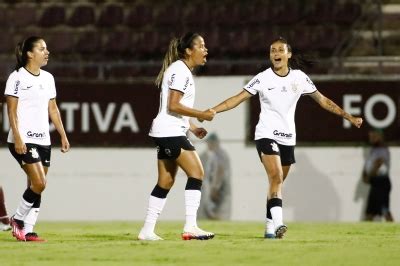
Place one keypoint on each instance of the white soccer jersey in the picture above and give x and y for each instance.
(278, 99)
(33, 93)
(167, 124)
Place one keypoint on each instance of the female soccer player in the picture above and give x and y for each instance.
(169, 131)
(30, 93)
(279, 89)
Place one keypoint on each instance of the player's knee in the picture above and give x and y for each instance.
(277, 178)
(167, 184)
(199, 173)
(39, 186)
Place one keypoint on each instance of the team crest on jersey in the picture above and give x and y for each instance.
(34, 153)
(171, 80)
(274, 147)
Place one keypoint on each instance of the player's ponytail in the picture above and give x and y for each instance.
(170, 56)
(176, 50)
(301, 61)
(22, 49)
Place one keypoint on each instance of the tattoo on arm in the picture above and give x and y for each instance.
(328, 104)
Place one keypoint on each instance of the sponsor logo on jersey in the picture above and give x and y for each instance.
(34, 153)
(253, 83)
(282, 134)
(35, 135)
(171, 80)
(16, 86)
(186, 83)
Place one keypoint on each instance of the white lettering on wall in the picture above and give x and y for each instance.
(390, 105)
(125, 117)
(69, 109)
(348, 100)
(369, 117)
(103, 122)
(85, 117)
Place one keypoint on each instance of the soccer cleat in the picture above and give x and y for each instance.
(33, 237)
(148, 236)
(17, 229)
(269, 235)
(280, 231)
(197, 233)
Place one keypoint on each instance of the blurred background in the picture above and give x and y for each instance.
(114, 39)
(105, 56)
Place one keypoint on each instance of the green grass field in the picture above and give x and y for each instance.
(236, 243)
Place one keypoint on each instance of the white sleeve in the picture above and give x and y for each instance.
(178, 79)
(254, 85)
(306, 84)
(13, 86)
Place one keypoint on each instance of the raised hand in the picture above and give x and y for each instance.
(356, 121)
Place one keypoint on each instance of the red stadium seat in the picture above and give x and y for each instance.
(52, 16)
(139, 16)
(82, 15)
(60, 42)
(23, 16)
(111, 15)
(88, 43)
(118, 43)
(7, 44)
(167, 15)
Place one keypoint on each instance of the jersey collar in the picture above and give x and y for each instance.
(185, 64)
(31, 72)
(280, 75)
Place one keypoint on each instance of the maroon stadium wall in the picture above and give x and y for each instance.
(120, 114)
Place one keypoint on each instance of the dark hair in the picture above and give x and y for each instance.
(298, 60)
(22, 49)
(176, 50)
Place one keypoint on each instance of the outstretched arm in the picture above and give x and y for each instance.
(175, 106)
(332, 107)
(232, 102)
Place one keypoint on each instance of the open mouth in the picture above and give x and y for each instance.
(277, 60)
